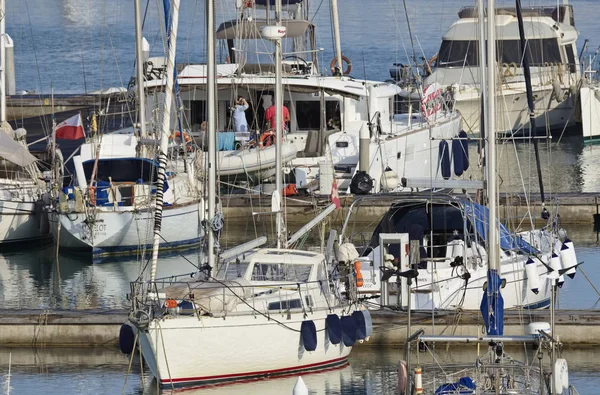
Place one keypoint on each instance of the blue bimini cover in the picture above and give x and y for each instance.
(464, 386)
(478, 215)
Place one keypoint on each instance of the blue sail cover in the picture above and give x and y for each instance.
(479, 215)
(492, 305)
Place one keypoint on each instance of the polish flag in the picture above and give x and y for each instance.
(71, 129)
(335, 196)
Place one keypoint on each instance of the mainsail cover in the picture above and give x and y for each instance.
(12, 151)
(479, 216)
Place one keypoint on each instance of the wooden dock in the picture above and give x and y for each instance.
(95, 328)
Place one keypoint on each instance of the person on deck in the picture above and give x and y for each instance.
(270, 117)
(240, 124)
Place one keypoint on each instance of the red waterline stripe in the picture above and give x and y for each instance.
(263, 373)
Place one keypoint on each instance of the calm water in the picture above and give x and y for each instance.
(370, 371)
(85, 45)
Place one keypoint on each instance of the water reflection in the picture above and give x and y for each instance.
(569, 166)
(34, 279)
(370, 371)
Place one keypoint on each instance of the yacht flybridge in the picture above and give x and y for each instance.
(555, 75)
(330, 116)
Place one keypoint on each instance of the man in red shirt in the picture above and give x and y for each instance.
(270, 117)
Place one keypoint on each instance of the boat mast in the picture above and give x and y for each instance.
(2, 61)
(531, 104)
(164, 136)
(493, 241)
(336, 35)
(278, 129)
(492, 305)
(211, 100)
(483, 85)
(139, 69)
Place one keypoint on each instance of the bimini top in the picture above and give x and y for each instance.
(479, 216)
(444, 214)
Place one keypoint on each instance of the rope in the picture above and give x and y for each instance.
(165, 354)
(130, 363)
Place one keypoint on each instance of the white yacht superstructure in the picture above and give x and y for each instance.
(551, 39)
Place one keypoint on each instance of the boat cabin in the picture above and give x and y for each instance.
(551, 45)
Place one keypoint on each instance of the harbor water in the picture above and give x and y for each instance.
(77, 46)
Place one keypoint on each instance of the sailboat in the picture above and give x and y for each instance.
(452, 230)
(110, 208)
(21, 186)
(494, 371)
(248, 313)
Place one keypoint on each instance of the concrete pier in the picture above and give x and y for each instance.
(574, 208)
(95, 328)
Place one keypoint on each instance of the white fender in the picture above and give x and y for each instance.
(555, 265)
(533, 279)
(561, 380)
(568, 257)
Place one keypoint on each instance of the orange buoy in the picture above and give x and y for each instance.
(170, 304)
(358, 274)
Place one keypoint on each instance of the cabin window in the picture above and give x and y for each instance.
(455, 53)
(308, 115)
(290, 304)
(571, 58)
(280, 272)
(197, 113)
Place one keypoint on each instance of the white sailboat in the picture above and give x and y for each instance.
(452, 268)
(21, 186)
(259, 313)
(118, 189)
(495, 371)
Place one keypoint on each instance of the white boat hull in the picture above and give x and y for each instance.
(408, 151)
(235, 348)
(253, 163)
(514, 116)
(20, 222)
(123, 231)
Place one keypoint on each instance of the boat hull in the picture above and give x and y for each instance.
(252, 164)
(117, 232)
(549, 114)
(194, 345)
(20, 222)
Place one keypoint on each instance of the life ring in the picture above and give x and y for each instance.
(344, 59)
(266, 139)
(187, 139)
(510, 69)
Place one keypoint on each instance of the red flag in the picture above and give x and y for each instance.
(71, 129)
(335, 196)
